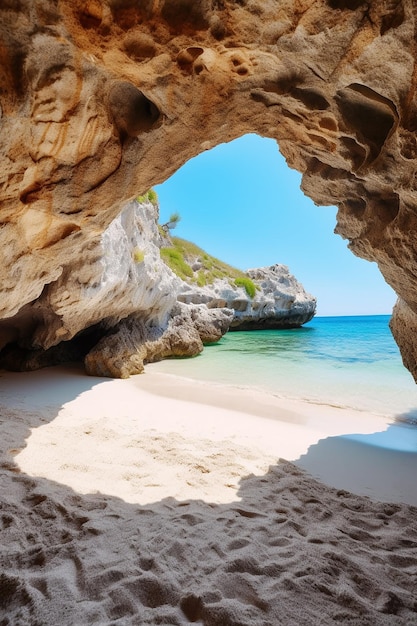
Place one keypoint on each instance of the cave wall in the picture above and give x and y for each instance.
(101, 99)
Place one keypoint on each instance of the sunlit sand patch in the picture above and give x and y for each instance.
(123, 439)
(143, 467)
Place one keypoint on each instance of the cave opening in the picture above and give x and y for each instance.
(241, 203)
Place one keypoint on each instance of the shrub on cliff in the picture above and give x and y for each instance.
(248, 284)
(138, 255)
(174, 258)
(206, 267)
(194, 265)
(149, 196)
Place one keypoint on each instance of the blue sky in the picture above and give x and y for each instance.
(241, 203)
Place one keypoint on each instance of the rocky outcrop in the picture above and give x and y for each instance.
(211, 324)
(280, 301)
(119, 312)
(134, 342)
(101, 99)
(402, 325)
(119, 274)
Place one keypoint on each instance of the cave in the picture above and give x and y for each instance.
(102, 100)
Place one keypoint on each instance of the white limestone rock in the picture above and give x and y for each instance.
(129, 301)
(124, 296)
(280, 300)
(121, 275)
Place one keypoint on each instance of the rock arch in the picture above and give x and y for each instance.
(101, 99)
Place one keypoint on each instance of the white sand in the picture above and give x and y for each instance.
(158, 500)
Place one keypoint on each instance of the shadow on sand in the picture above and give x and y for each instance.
(380, 463)
(291, 552)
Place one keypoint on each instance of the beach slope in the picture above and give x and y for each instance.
(157, 500)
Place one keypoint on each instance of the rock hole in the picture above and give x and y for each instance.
(9, 585)
(311, 99)
(315, 166)
(12, 73)
(198, 68)
(129, 13)
(355, 206)
(183, 15)
(350, 5)
(408, 147)
(186, 58)
(328, 123)
(218, 30)
(330, 146)
(409, 120)
(353, 151)
(386, 208)
(283, 84)
(139, 46)
(292, 116)
(132, 112)
(369, 115)
(31, 195)
(92, 15)
(89, 21)
(394, 16)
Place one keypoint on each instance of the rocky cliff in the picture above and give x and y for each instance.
(101, 99)
(130, 306)
(119, 312)
(281, 301)
(263, 298)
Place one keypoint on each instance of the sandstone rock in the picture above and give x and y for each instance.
(403, 324)
(134, 342)
(100, 100)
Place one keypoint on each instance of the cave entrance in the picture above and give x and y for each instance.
(241, 203)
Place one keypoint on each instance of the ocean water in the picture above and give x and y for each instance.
(350, 362)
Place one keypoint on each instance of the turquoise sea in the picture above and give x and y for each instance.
(350, 362)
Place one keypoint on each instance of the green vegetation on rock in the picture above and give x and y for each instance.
(248, 284)
(201, 279)
(161, 230)
(174, 218)
(149, 196)
(174, 258)
(183, 255)
(138, 255)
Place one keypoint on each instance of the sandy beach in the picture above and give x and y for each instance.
(159, 500)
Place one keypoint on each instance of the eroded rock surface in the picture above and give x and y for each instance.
(135, 341)
(121, 273)
(119, 312)
(280, 301)
(101, 99)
